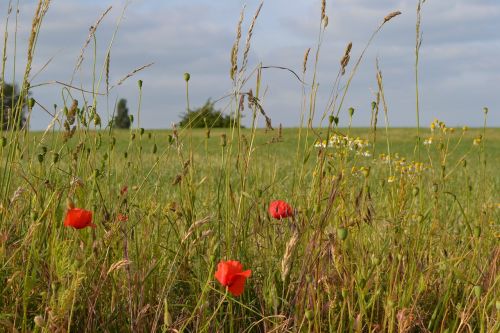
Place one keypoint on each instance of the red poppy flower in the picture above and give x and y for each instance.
(230, 274)
(280, 209)
(124, 190)
(122, 217)
(78, 218)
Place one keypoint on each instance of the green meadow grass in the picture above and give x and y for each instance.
(417, 261)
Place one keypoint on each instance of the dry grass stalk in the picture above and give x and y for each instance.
(234, 49)
(249, 37)
(132, 74)
(345, 59)
(306, 56)
(286, 262)
(108, 56)
(323, 9)
(117, 265)
(195, 226)
(391, 16)
(92, 31)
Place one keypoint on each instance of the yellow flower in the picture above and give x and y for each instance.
(391, 179)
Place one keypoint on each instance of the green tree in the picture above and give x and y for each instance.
(11, 112)
(122, 119)
(206, 115)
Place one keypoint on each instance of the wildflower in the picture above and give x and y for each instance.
(391, 179)
(428, 141)
(477, 141)
(231, 275)
(122, 217)
(279, 209)
(78, 218)
(124, 190)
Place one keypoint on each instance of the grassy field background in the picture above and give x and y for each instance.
(412, 260)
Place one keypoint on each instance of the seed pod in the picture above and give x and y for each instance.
(131, 117)
(142, 130)
(309, 315)
(331, 119)
(4, 141)
(187, 76)
(155, 149)
(477, 231)
(223, 141)
(477, 291)
(40, 158)
(342, 233)
(351, 112)
(44, 150)
(139, 83)
(415, 191)
(55, 158)
(31, 103)
(125, 154)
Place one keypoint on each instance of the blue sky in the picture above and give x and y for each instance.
(459, 66)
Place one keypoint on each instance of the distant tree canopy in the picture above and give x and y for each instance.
(11, 114)
(122, 119)
(206, 115)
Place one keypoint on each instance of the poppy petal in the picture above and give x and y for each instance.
(238, 283)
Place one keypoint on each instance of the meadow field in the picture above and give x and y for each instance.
(317, 228)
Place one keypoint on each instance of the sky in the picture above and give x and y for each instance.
(459, 69)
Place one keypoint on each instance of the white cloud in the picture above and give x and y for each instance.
(459, 53)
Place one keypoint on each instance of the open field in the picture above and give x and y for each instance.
(420, 251)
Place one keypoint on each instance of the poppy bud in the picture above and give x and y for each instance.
(133, 136)
(142, 130)
(149, 135)
(309, 315)
(342, 233)
(331, 119)
(155, 148)
(485, 110)
(31, 103)
(55, 158)
(477, 291)
(415, 191)
(131, 117)
(374, 105)
(125, 154)
(4, 141)
(139, 83)
(477, 231)
(40, 158)
(187, 76)
(351, 112)
(97, 119)
(44, 150)
(223, 142)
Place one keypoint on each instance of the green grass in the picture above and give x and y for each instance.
(409, 258)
